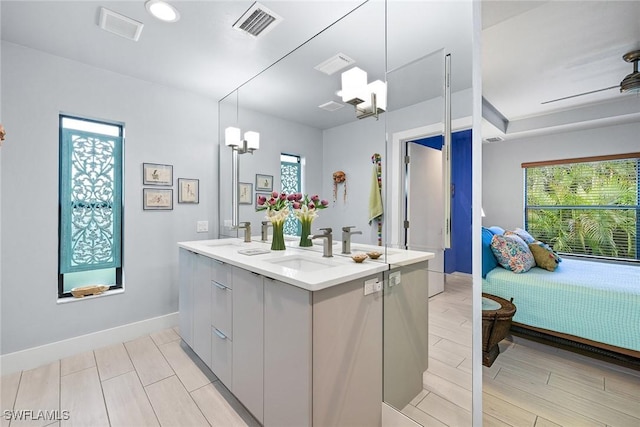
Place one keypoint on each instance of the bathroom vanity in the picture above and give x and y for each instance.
(297, 337)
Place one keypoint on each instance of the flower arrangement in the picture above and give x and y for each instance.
(304, 209)
(277, 206)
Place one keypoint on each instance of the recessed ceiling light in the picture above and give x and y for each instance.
(162, 10)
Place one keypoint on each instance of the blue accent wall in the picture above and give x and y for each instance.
(458, 257)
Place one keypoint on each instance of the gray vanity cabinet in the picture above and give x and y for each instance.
(221, 321)
(248, 340)
(202, 308)
(194, 297)
(186, 260)
(288, 348)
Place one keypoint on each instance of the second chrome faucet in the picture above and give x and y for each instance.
(346, 238)
(327, 250)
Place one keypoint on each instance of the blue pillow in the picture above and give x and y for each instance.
(497, 230)
(489, 261)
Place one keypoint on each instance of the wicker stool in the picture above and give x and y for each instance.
(496, 322)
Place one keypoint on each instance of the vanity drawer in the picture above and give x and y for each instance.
(221, 356)
(221, 273)
(221, 306)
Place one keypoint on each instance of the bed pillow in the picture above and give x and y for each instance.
(523, 234)
(545, 256)
(489, 261)
(496, 230)
(512, 253)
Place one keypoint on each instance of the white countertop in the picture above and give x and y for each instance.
(303, 267)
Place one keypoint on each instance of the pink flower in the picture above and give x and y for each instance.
(274, 194)
(315, 198)
(324, 202)
(261, 200)
(311, 205)
(298, 196)
(291, 197)
(296, 205)
(272, 201)
(283, 196)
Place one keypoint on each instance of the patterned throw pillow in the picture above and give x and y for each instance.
(512, 253)
(545, 256)
(523, 234)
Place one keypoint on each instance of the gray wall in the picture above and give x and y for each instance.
(162, 125)
(502, 174)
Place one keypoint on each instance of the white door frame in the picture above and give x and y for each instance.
(397, 175)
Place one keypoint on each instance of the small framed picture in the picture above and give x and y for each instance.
(245, 193)
(157, 199)
(188, 190)
(156, 174)
(264, 182)
(266, 195)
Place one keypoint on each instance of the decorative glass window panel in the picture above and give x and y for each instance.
(90, 196)
(586, 206)
(290, 177)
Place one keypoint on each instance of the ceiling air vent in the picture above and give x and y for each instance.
(494, 139)
(257, 21)
(335, 63)
(120, 24)
(331, 106)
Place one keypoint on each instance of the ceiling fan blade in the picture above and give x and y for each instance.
(580, 94)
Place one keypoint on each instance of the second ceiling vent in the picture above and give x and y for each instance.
(257, 21)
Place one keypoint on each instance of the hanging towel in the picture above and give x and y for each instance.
(375, 199)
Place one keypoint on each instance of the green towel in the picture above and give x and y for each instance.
(375, 199)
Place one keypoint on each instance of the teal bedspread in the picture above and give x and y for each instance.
(588, 299)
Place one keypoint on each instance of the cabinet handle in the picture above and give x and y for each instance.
(270, 278)
(219, 285)
(254, 273)
(219, 334)
(217, 261)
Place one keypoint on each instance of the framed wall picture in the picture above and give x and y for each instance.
(264, 182)
(266, 195)
(245, 193)
(156, 174)
(157, 199)
(188, 190)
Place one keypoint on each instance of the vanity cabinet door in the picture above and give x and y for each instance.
(221, 308)
(248, 340)
(221, 356)
(202, 308)
(186, 262)
(287, 355)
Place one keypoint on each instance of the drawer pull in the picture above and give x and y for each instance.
(220, 285)
(219, 334)
(217, 261)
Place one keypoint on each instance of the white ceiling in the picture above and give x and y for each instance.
(537, 51)
(533, 51)
(203, 54)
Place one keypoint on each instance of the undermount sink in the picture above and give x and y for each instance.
(301, 263)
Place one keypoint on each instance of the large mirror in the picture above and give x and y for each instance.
(311, 141)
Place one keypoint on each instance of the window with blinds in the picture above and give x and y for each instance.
(587, 206)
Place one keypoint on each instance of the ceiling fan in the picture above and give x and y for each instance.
(629, 84)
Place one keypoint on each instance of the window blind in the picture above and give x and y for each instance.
(587, 206)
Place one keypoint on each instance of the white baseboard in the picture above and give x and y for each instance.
(45, 354)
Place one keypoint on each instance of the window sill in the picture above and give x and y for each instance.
(102, 295)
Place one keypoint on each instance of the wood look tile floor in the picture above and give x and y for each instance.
(529, 384)
(155, 380)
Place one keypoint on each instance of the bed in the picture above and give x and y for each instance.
(592, 302)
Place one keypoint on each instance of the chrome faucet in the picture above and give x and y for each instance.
(346, 238)
(265, 230)
(246, 226)
(327, 244)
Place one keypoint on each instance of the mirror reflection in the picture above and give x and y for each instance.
(312, 141)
